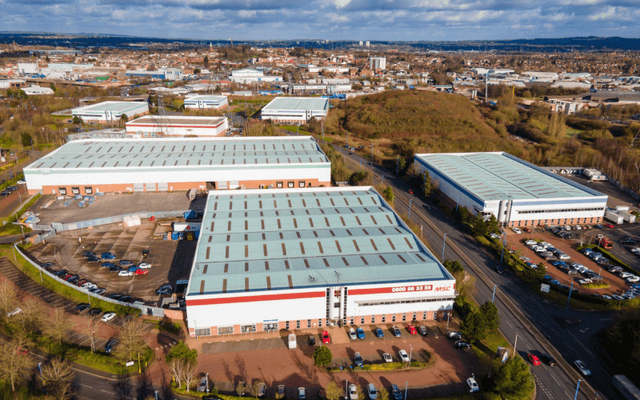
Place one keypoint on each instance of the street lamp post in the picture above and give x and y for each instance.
(207, 383)
(406, 385)
(577, 387)
(410, 209)
(40, 368)
(156, 395)
(515, 345)
(493, 296)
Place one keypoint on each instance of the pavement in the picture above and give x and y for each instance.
(537, 327)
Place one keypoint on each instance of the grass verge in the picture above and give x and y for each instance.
(56, 286)
(10, 228)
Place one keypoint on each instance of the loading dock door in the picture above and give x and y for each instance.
(221, 185)
(163, 186)
(234, 184)
(138, 187)
(151, 187)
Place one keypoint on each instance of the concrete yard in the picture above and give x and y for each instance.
(117, 204)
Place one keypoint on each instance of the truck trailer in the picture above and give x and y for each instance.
(613, 217)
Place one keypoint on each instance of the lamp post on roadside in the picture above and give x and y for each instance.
(577, 387)
(40, 368)
(207, 389)
(444, 243)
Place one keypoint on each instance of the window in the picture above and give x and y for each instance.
(286, 325)
(301, 184)
(393, 318)
(351, 323)
(373, 319)
(88, 190)
(362, 321)
(319, 323)
(62, 191)
(404, 317)
(75, 190)
(298, 324)
(308, 323)
(225, 330)
(424, 315)
(415, 316)
(290, 184)
(279, 185)
(384, 319)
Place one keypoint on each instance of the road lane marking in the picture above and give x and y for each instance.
(87, 386)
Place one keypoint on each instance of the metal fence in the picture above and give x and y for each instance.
(145, 310)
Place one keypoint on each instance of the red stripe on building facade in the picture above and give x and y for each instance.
(250, 299)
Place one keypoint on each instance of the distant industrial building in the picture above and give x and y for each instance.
(205, 102)
(291, 259)
(248, 76)
(181, 126)
(111, 111)
(376, 63)
(295, 110)
(35, 90)
(166, 74)
(516, 192)
(137, 165)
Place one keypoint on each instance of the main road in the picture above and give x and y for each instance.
(538, 324)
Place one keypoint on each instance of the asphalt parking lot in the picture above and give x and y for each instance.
(170, 260)
(112, 204)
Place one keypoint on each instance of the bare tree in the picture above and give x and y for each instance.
(91, 328)
(131, 340)
(177, 367)
(57, 378)
(190, 373)
(56, 328)
(15, 361)
(8, 298)
(31, 316)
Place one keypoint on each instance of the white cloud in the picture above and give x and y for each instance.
(603, 15)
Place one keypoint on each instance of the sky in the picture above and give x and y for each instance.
(402, 20)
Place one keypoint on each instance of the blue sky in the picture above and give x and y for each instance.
(327, 19)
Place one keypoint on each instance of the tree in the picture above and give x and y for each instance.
(14, 363)
(388, 195)
(473, 327)
(123, 119)
(77, 120)
(183, 363)
(240, 388)
(322, 356)
(53, 87)
(333, 392)
(383, 394)
(491, 315)
(182, 352)
(197, 71)
(427, 187)
(30, 318)
(189, 374)
(57, 378)
(131, 340)
(493, 226)
(56, 328)
(206, 61)
(8, 298)
(26, 139)
(513, 379)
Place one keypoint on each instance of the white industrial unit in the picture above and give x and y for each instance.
(516, 192)
(314, 257)
(248, 76)
(295, 110)
(111, 165)
(205, 102)
(110, 111)
(169, 125)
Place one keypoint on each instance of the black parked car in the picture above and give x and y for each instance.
(461, 344)
(111, 343)
(87, 254)
(93, 259)
(61, 273)
(114, 268)
(82, 308)
(165, 289)
(95, 311)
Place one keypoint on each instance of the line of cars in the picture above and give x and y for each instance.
(546, 251)
(8, 190)
(358, 333)
(458, 343)
(83, 308)
(123, 267)
(372, 392)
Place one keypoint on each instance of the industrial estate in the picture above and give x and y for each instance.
(382, 215)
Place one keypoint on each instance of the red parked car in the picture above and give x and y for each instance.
(412, 329)
(141, 272)
(326, 339)
(610, 226)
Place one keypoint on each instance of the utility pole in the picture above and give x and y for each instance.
(409, 217)
(515, 345)
(493, 296)
(444, 243)
(569, 297)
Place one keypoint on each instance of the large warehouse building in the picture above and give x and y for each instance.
(295, 110)
(135, 165)
(111, 111)
(516, 192)
(181, 126)
(303, 258)
(205, 102)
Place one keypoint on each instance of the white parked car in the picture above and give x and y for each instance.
(564, 256)
(353, 392)
(633, 279)
(108, 316)
(124, 272)
(473, 385)
(625, 274)
(144, 265)
(352, 334)
(516, 230)
(387, 357)
(404, 357)
(530, 242)
(584, 281)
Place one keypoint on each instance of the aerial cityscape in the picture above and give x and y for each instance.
(343, 200)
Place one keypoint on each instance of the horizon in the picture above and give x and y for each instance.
(373, 20)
